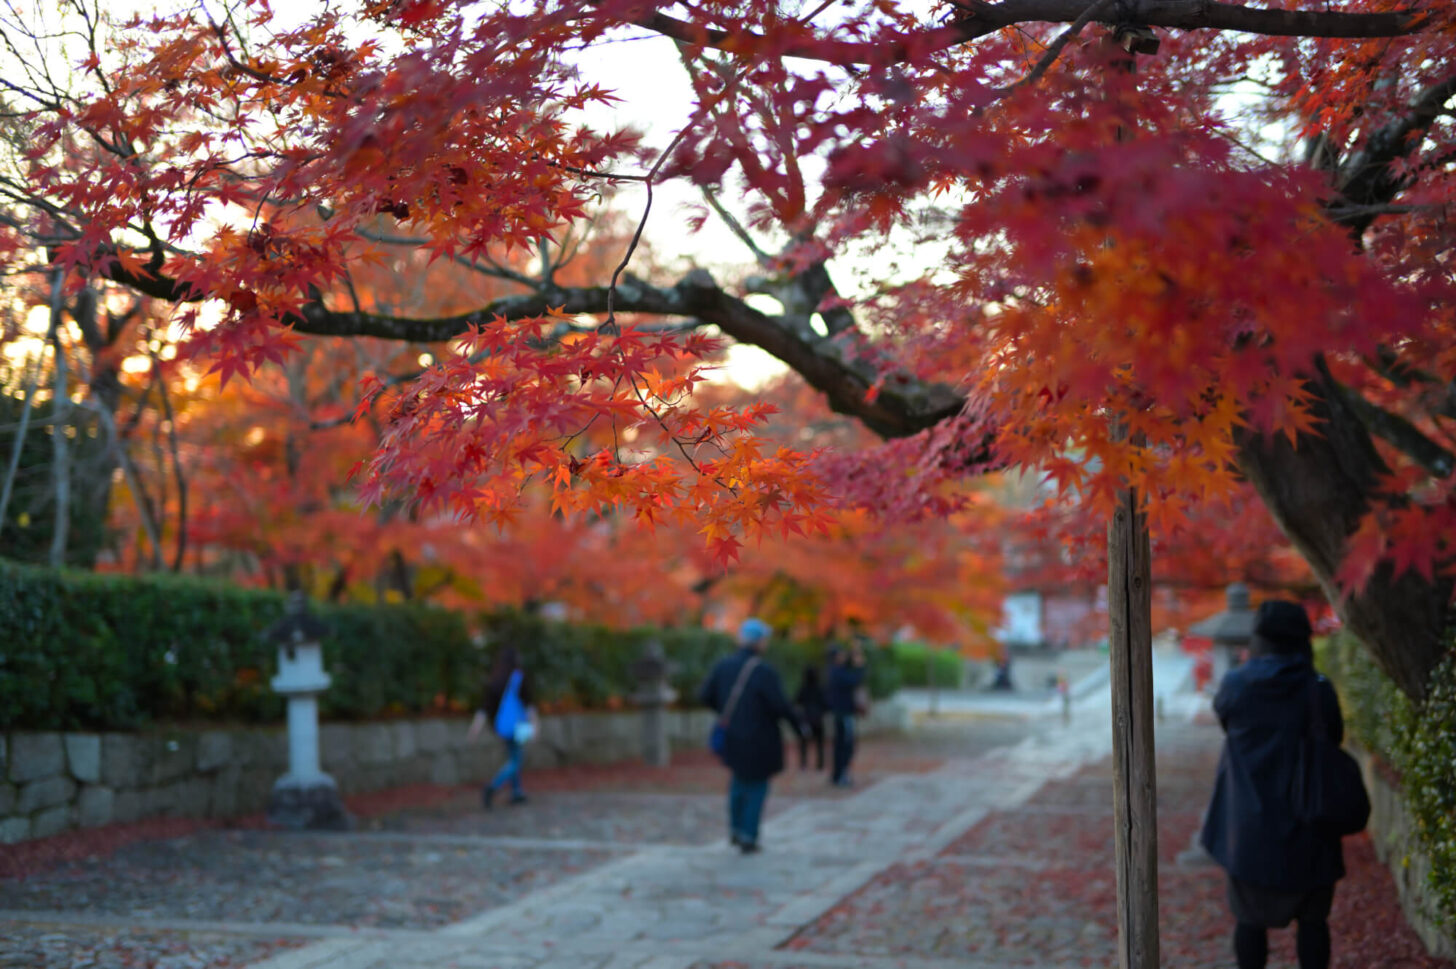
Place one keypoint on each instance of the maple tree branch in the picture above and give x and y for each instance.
(1396, 431)
(1057, 46)
(489, 268)
(1368, 178)
(33, 366)
(693, 121)
(903, 407)
(1319, 489)
(734, 226)
(986, 18)
(179, 474)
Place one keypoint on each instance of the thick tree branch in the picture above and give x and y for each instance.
(1367, 179)
(1319, 491)
(1398, 433)
(902, 408)
(990, 17)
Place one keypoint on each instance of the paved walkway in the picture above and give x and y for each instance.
(983, 844)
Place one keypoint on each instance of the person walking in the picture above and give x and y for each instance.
(748, 696)
(844, 691)
(1280, 869)
(811, 706)
(507, 705)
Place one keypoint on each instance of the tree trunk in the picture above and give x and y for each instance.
(1134, 795)
(1318, 490)
(61, 413)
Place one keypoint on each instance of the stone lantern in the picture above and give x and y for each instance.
(653, 696)
(1229, 630)
(305, 797)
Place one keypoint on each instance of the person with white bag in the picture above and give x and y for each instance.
(506, 704)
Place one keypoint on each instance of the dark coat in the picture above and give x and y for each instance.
(1250, 828)
(754, 747)
(843, 681)
(810, 699)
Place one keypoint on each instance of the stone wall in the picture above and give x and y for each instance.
(51, 782)
(1393, 836)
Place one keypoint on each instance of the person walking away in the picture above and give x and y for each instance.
(507, 705)
(1280, 869)
(748, 696)
(846, 681)
(811, 706)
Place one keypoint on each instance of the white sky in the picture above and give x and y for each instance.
(643, 70)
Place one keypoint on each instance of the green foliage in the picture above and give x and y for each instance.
(81, 650)
(918, 663)
(84, 650)
(29, 520)
(1419, 742)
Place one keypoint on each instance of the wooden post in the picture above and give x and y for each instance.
(1130, 634)
(1135, 791)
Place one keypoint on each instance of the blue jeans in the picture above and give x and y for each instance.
(510, 770)
(843, 745)
(745, 808)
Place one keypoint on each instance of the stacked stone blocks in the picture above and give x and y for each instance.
(53, 782)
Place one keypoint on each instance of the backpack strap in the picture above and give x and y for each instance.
(1315, 719)
(732, 704)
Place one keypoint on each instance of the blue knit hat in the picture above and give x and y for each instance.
(753, 630)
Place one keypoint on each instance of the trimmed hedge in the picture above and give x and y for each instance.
(590, 664)
(1418, 742)
(917, 663)
(81, 650)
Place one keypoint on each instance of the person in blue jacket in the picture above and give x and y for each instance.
(846, 677)
(753, 746)
(1279, 869)
(508, 682)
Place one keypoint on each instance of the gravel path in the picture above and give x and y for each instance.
(258, 876)
(1036, 887)
(67, 947)
(954, 859)
(684, 819)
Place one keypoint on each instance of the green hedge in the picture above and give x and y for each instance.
(81, 650)
(590, 664)
(1418, 742)
(87, 650)
(917, 663)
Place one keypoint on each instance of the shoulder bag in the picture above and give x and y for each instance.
(718, 737)
(1328, 791)
(511, 713)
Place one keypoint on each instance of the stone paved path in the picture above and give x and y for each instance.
(670, 905)
(975, 844)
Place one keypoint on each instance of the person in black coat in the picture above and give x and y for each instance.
(846, 677)
(811, 706)
(753, 746)
(1279, 869)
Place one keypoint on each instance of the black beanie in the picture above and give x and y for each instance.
(1283, 625)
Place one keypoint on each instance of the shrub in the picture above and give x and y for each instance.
(917, 663)
(1418, 742)
(80, 650)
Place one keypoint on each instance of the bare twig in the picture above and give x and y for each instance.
(736, 227)
(139, 494)
(32, 376)
(61, 405)
(1054, 50)
(179, 475)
